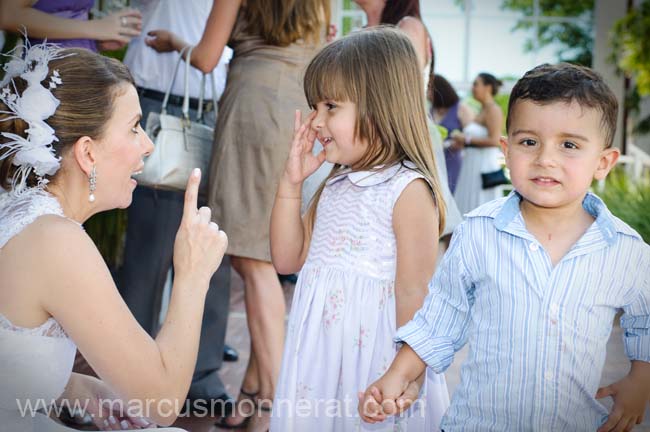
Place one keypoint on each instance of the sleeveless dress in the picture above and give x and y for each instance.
(469, 192)
(252, 137)
(36, 362)
(343, 317)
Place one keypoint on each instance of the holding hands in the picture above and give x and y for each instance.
(200, 244)
(392, 394)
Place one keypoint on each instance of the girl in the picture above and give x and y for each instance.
(368, 242)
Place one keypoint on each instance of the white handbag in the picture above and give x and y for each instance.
(180, 144)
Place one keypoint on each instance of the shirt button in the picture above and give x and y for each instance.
(533, 247)
(548, 375)
(554, 308)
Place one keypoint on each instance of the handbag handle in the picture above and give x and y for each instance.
(199, 117)
(171, 84)
(186, 88)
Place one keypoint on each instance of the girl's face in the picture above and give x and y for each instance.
(121, 151)
(334, 124)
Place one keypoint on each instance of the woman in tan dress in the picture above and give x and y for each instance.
(252, 137)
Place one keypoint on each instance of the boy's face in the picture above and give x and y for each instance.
(554, 151)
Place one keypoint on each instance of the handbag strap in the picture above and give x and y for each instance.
(171, 84)
(186, 87)
(210, 75)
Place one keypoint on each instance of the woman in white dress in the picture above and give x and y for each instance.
(480, 139)
(70, 141)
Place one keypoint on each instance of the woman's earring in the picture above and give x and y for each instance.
(93, 184)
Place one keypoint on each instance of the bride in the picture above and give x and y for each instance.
(70, 142)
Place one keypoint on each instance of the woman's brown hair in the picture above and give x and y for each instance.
(282, 22)
(377, 69)
(90, 83)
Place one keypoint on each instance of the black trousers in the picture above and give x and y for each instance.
(153, 219)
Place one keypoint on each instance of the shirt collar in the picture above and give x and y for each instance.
(606, 222)
(371, 177)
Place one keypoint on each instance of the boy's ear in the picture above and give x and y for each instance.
(503, 141)
(83, 150)
(608, 159)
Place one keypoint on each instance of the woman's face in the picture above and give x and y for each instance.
(121, 150)
(479, 89)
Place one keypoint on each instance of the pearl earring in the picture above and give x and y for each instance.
(93, 184)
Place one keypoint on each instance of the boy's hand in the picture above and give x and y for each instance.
(390, 395)
(630, 397)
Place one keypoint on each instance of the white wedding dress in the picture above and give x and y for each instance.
(35, 363)
(469, 192)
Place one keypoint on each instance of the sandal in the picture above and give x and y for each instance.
(222, 424)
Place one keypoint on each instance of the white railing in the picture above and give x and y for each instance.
(636, 161)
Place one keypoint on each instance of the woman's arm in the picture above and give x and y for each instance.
(415, 223)
(493, 120)
(206, 54)
(79, 292)
(465, 114)
(19, 15)
(416, 31)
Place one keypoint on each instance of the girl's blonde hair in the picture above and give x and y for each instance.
(282, 22)
(377, 69)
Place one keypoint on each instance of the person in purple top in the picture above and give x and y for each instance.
(66, 22)
(449, 112)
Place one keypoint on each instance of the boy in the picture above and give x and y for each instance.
(534, 280)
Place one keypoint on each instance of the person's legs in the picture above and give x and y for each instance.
(148, 253)
(265, 312)
(206, 383)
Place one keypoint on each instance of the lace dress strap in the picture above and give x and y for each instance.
(19, 210)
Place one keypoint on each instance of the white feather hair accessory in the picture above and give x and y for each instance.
(35, 105)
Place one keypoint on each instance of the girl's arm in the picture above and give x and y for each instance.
(16, 15)
(493, 119)
(206, 54)
(79, 293)
(415, 223)
(289, 236)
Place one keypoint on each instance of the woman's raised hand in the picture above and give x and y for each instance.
(200, 245)
(302, 162)
(119, 27)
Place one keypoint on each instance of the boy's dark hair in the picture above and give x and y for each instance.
(565, 82)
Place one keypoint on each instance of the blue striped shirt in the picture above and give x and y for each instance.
(537, 333)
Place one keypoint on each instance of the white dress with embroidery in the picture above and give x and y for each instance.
(35, 363)
(343, 315)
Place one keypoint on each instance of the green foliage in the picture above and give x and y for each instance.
(628, 200)
(576, 39)
(108, 230)
(630, 40)
(631, 46)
